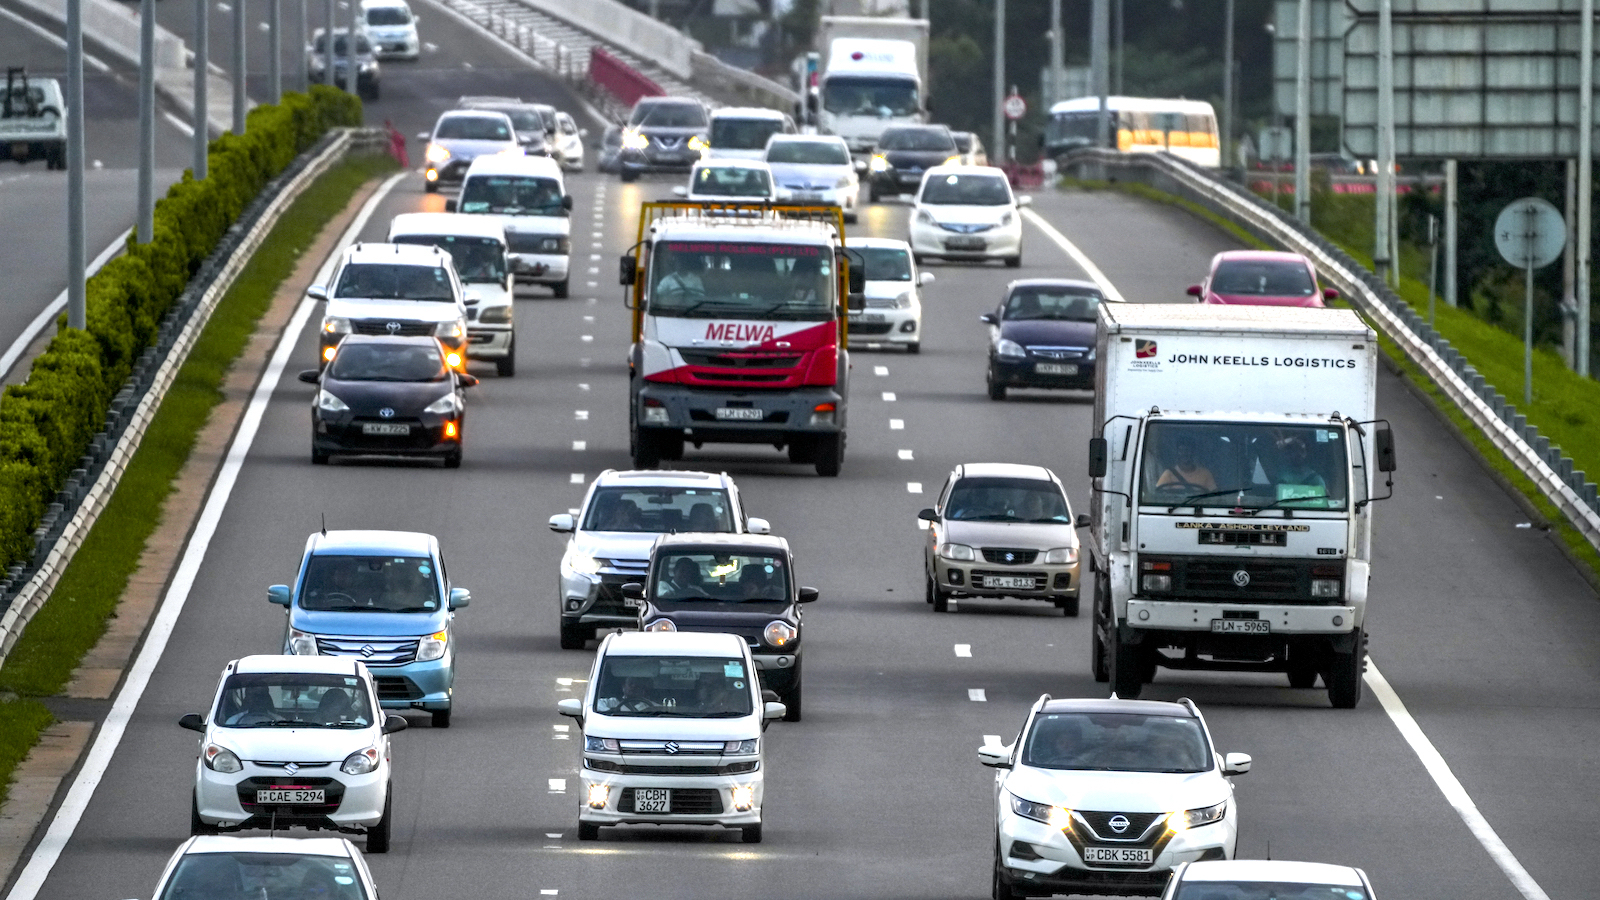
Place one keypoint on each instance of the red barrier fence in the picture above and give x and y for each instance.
(397, 145)
(619, 79)
(1024, 175)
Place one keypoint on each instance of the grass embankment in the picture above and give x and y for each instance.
(74, 617)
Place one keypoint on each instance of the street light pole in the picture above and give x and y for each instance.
(147, 121)
(1227, 83)
(76, 261)
(239, 73)
(1382, 260)
(275, 51)
(1000, 77)
(202, 75)
(1057, 55)
(1099, 64)
(353, 60)
(1302, 115)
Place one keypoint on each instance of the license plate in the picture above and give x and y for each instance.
(1241, 626)
(630, 603)
(1008, 581)
(867, 317)
(964, 243)
(296, 795)
(652, 800)
(808, 196)
(1122, 855)
(1055, 368)
(385, 428)
(739, 414)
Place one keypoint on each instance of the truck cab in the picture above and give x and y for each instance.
(869, 85)
(32, 122)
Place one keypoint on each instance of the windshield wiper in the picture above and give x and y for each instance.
(290, 723)
(1189, 500)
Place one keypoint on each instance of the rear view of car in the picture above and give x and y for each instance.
(729, 181)
(1261, 278)
(477, 247)
(893, 314)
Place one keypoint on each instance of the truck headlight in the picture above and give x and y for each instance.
(661, 625)
(1009, 349)
(779, 633)
(360, 762)
(1061, 556)
(957, 552)
(656, 415)
(302, 643)
(432, 646)
(495, 315)
(220, 759)
(436, 154)
(1194, 818)
(328, 403)
(335, 325)
(1325, 587)
(1156, 583)
(1054, 816)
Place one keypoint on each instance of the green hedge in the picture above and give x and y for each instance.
(47, 423)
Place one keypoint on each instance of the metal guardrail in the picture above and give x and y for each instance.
(1508, 430)
(748, 87)
(622, 26)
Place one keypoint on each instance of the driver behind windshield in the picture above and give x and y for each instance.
(365, 583)
(1186, 470)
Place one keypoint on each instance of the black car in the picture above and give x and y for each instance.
(664, 134)
(904, 153)
(389, 396)
(739, 584)
(368, 83)
(1042, 335)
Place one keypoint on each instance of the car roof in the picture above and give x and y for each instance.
(264, 663)
(441, 223)
(769, 542)
(673, 643)
(465, 99)
(309, 846)
(1116, 705)
(662, 477)
(1005, 470)
(880, 243)
(747, 112)
(509, 164)
(397, 254)
(1261, 256)
(963, 169)
(471, 114)
(1050, 282)
(725, 163)
(1283, 870)
(364, 542)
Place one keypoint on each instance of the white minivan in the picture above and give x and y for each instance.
(391, 28)
(477, 246)
(528, 196)
(672, 733)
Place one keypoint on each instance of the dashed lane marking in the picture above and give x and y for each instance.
(580, 445)
(964, 650)
(992, 740)
(913, 487)
(588, 338)
(905, 454)
(582, 414)
(888, 396)
(897, 424)
(577, 478)
(976, 695)
(880, 370)
(582, 386)
(558, 785)
(588, 318)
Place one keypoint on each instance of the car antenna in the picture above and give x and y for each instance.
(324, 524)
(1269, 849)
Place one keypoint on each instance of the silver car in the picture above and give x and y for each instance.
(461, 136)
(814, 169)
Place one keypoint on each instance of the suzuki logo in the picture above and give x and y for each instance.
(1241, 578)
(368, 650)
(392, 327)
(1119, 823)
(386, 412)
(672, 747)
(1011, 557)
(291, 768)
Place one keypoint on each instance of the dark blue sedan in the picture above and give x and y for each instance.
(1042, 335)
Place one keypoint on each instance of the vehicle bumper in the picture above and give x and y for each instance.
(596, 599)
(1170, 615)
(359, 803)
(779, 671)
(25, 150)
(452, 171)
(966, 579)
(489, 341)
(618, 813)
(1024, 373)
(844, 198)
(346, 436)
(897, 181)
(691, 412)
(997, 243)
(418, 685)
(893, 326)
(540, 268)
(1060, 868)
(397, 49)
(658, 161)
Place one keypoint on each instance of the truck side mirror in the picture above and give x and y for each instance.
(1082, 522)
(450, 206)
(566, 202)
(1097, 457)
(1384, 439)
(858, 279)
(627, 270)
(856, 301)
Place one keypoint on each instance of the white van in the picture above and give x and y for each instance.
(672, 733)
(741, 132)
(391, 28)
(528, 196)
(477, 245)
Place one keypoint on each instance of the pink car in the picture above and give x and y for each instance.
(1262, 278)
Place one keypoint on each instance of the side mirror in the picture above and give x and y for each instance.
(450, 206)
(858, 280)
(1236, 764)
(309, 376)
(770, 710)
(989, 318)
(680, 191)
(756, 525)
(193, 722)
(808, 595)
(562, 523)
(1330, 293)
(278, 594)
(459, 598)
(627, 270)
(1082, 522)
(928, 515)
(1097, 457)
(466, 381)
(1024, 200)
(566, 202)
(1194, 290)
(471, 298)
(633, 590)
(1383, 438)
(925, 278)
(995, 756)
(317, 292)
(856, 301)
(393, 723)
(768, 695)
(571, 706)
(1041, 140)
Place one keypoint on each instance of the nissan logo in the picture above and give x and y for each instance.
(1241, 578)
(392, 327)
(672, 747)
(388, 413)
(1119, 823)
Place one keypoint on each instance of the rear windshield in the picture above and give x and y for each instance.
(525, 195)
(389, 281)
(743, 134)
(966, 190)
(658, 510)
(477, 259)
(1263, 277)
(814, 153)
(473, 128)
(404, 584)
(293, 700)
(730, 181)
(916, 139)
(388, 15)
(387, 362)
(697, 687)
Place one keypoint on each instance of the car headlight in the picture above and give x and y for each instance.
(953, 160)
(452, 329)
(957, 552)
(843, 182)
(879, 163)
(779, 633)
(220, 759)
(1009, 348)
(368, 68)
(698, 144)
(495, 315)
(443, 406)
(583, 562)
(302, 643)
(1005, 219)
(1054, 816)
(633, 140)
(743, 748)
(360, 762)
(328, 403)
(925, 217)
(436, 154)
(904, 300)
(1061, 556)
(661, 625)
(1194, 818)
(432, 646)
(335, 325)
(601, 745)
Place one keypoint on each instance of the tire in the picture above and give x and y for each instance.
(941, 600)
(999, 887)
(1099, 654)
(750, 834)
(914, 347)
(800, 451)
(1126, 669)
(441, 718)
(873, 194)
(671, 446)
(1302, 669)
(573, 635)
(378, 835)
(1069, 608)
(791, 699)
(560, 290)
(196, 825)
(453, 460)
(430, 187)
(506, 366)
(1343, 675)
(1014, 262)
(830, 455)
(997, 391)
(628, 175)
(588, 831)
(929, 589)
(319, 457)
(646, 450)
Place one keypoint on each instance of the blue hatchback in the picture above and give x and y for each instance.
(382, 597)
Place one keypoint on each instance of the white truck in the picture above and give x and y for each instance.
(32, 125)
(1233, 468)
(874, 72)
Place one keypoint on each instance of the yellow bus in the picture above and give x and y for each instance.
(1186, 128)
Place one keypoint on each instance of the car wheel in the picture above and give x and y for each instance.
(1302, 669)
(378, 835)
(1000, 887)
(799, 451)
(751, 834)
(791, 699)
(430, 187)
(506, 366)
(441, 718)
(573, 635)
(830, 455)
(941, 600)
(1127, 675)
(873, 195)
(198, 826)
(646, 450)
(319, 457)
(1014, 262)
(997, 391)
(1343, 675)
(588, 831)
(628, 175)
(929, 590)
(914, 347)
(1068, 607)
(452, 460)
(560, 290)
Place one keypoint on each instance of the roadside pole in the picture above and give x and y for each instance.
(202, 76)
(76, 316)
(145, 223)
(1302, 115)
(239, 73)
(999, 77)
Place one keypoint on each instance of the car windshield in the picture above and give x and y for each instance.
(693, 687)
(1117, 742)
(1267, 890)
(387, 362)
(341, 45)
(1245, 466)
(472, 128)
(808, 153)
(669, 115)
(990, 499)
(867, 96)
(384, 584)
(293, 699)
(523, 118)
(392, 281)
(730, 181)
(658, 510)
(886, 263)
(388, 15)
(1263, 277)
(966, 190)
(743, 134)
(725, 279)
(478, 260)
(280, 876)
(527, 195)
(917, 139)
(1065, 304)
(697, 577)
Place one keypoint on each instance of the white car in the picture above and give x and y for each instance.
(527, 196)
(893, 314)
(477, 247)
(814, 168)
(1267, 879)
(672, 733)
(217, 867)
(622, 515)
(397, 289)
(728, 181)
(294, 740)
(564, 137)
(967, 213)
(1107, 796)
(741, 132)
(391, 28)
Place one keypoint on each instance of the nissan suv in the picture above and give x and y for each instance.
(664, 134)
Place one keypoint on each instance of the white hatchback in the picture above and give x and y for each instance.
(814, 169)
(728, 181)
(391, 28)
(294, 741)
(219, 867)
(967, 213)
(893, 314)
(1266, 879)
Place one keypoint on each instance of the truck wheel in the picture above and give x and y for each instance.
(573, 635)
(1127, 669)
(1099, 663)
(1343, 675)
(646, 451)
(588, 831)
(1100, 656)
(670, 447)
(1302, 668)
(559, 289)
(830, 455)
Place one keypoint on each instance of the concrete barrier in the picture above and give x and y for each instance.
(116, 27)
(627, 29)
(619, 79)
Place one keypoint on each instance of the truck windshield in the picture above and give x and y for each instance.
(693, 687)
(479, 260)
(1250, 466)
(727, 279)
(517, 195)
(855, 95)
(743, 134)
(697, 577)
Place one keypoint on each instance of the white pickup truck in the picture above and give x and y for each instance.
(31, 122)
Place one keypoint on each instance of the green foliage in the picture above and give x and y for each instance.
(21, 722)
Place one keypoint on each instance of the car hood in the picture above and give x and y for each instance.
(953, 214)
(879, 290)
(367, 624)
(817, 177)
(1308, 300)
(1124, 792)
(650, 728)
(1022, 535)
(917, 158)
(489, 293)
(1048, 332)
(406, 398)
(615, 544)
(399, 310)
(294, 744)
(389, 32)
(470, 149)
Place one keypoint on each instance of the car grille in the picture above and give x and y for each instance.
(1009, 556)
(1058, 352)
(383, 326)
(372, 651)
(1138, 824)
(266, 764)
(739, 768)
(396, 689)
(333, 793)
(666, 142)
(685, 801)
(965, 228)
(870, 328)
(741, 360)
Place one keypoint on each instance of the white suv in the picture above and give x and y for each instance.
(395, 289)
(1107, 796)
(672, 725)
(294, 740)
(1260, 879)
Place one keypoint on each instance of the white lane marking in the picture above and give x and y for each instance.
(593, 284)
(913, 487)
(562, 728)
(992, 740)
(905, 454)
(888, 396)
(265, 27)
(582, 414)
(580, 445)
(587, 338)
(58, 40)
(583, 361)
(47, 316)
(223, 7)
(880, 370)
(597, 245)
(897, 424)
(964, 650)
(976, 695)
(94, 766)
(593, 270)
(577, 478)
(594, 257)
(549, 835)
(175, 122)
(1451, 787)
(588, 318)
(597, 233)
(565, 682)
(558, 785)
(1078, 256)
(548, 893)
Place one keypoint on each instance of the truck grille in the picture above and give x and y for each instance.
(1243, 580)
(749, 360)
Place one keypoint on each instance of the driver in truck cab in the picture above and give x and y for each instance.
(1294, 465)
(1186, 468)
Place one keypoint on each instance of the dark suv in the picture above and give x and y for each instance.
(741, 584)
(904, 153)
(664, 134)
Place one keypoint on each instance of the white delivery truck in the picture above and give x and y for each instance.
(32, 124)
(1233, 468)
(874, 73)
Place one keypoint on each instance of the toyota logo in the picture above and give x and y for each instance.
(368, 650)
(388, 413)
(1119, 823)
(1241, 578)
(292, 768)
(672, 747)
(392, 327)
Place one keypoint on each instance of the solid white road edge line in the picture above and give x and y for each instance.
(49, 313)
(94, 62)
(1078, 256)
(105, 744)
(1451, 787)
